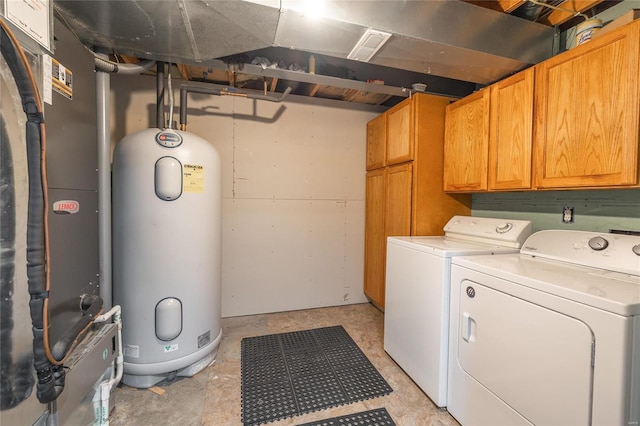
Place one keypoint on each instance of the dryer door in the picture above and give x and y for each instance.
(536, 360)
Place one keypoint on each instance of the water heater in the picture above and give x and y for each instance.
(167, 211)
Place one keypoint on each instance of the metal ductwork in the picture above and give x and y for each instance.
(447, 38)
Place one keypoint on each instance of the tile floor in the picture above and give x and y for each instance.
(212, 397)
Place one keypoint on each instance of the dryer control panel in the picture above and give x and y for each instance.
(612, 252)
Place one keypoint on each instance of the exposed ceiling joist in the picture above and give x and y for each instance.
(553, 18)
(558, 17)
(505, 6)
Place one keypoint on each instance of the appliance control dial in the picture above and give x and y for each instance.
(636, 249)
(168, 139)
(504, 227)
(598, 243)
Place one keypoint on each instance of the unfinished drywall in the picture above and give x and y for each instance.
(293, 192)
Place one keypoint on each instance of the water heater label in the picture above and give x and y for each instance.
(204, 339)
(131, 351)
(170, 348)
(192, 178)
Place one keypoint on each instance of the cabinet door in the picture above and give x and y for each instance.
(466, 143)
(398, 204)
(511, 132)
(587, 114)
(374, 241)
(376, 142)
(399, 133)
(387, 213)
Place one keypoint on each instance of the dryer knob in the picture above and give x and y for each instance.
(504, 227)
(636, 249)
(598, 243)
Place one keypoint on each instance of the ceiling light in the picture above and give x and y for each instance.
(370, 42)
(314, 9)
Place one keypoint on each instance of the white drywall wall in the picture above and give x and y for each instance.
(293, 188)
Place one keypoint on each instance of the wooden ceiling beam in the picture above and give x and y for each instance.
(506, 6)
(184, 72)
(558, 17)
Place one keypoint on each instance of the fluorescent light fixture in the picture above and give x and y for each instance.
(370, 42)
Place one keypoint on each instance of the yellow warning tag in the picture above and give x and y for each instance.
(192, 178)
(62, 79)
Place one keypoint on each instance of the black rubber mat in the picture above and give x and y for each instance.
(288, 374)
(377, 417)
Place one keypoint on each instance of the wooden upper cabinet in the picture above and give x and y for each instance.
(587, 114)
(511, 132)
(376, 142)
(466, 143)
(399, 133)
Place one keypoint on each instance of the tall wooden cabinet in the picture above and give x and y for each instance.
(405, 196)
(374, 236)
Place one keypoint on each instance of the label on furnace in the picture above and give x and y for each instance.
(192, 178)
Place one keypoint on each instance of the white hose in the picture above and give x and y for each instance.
(107, 385)
(170, 98)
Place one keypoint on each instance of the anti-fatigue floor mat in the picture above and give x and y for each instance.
(377, 417)
(288, 374)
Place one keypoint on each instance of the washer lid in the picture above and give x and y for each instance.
(611, 291)
(448, 247)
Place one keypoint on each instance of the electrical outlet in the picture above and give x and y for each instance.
(567, 214)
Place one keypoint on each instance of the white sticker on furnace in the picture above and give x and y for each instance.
(131, 351)
(170, 348)
(192, 178)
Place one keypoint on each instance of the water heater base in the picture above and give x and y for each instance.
(146, 381)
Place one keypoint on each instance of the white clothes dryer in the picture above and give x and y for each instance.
(416, 318)
(550, 336)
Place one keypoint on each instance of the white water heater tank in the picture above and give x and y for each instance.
(167, 198)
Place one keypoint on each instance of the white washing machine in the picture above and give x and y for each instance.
(416, 318)
(550, 336)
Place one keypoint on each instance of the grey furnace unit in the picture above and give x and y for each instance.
(73, 182)
(71, 152)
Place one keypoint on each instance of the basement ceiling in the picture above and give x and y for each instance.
(268, 45)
